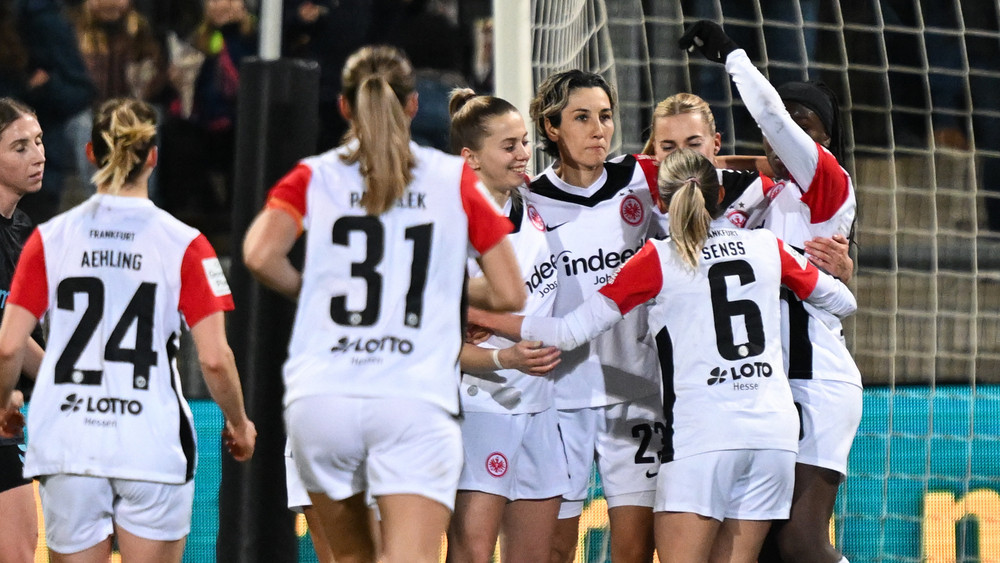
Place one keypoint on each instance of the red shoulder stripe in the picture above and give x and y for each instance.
(30, 286)
(828, 190)
(486, 226)
(637, 281)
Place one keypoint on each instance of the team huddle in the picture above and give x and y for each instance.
(665, 317)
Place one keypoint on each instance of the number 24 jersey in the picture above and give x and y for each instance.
(115, 274)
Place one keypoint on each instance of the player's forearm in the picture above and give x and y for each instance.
(592, 317)
(33, 355)
(474, 359)
(223, 384)
(833, 296)
(795, 147)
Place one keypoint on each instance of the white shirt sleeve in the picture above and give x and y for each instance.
(831, 295)
(797, 150)
(592, 317)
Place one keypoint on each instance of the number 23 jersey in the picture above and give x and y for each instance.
(115, 274)
(379, 313)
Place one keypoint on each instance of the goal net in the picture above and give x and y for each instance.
(919, 85)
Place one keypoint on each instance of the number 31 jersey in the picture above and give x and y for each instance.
(115, 274)
(379, 313)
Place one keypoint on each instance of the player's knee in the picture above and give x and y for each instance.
(467, 545)
(562, 552)
(631, 551)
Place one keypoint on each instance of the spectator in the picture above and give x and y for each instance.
(123, 58)
(40, 64)
(199, 141)
(327, 31)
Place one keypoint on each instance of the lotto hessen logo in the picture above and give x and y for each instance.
(387, 344)
(535, 218)
(72, 403)
(632, 210)
(718, 375)
(101, 405)
(496, 464)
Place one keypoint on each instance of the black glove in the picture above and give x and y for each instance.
(710, 39)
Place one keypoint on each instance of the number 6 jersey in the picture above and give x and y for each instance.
(379, 313)
(116, 275)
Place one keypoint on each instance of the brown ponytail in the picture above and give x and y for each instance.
(689, 184)
(377, 83)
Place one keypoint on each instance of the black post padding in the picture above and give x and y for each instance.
(277, 124)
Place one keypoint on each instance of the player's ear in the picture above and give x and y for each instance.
(471, 158)
(551, 131)
(90, 153)
(344, 107)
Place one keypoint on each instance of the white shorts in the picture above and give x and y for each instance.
(829, 412)
(81, 511)
(392, 446)
(736, 484)
(517, 456)
(298, 496)
(625, 440)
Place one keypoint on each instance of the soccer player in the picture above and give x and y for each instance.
(810, 196)
(515, 471)
(730, 425)
(112, 438)
(389, 226)
(597, 213)
(22, 165)
(686, 121)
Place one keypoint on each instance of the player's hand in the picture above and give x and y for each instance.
(240, 439)
(475, 334)
(530, 357)
(709, 38)
(11, 418)
(831, 255)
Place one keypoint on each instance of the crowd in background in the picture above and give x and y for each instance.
(66, 57)
(63, 57)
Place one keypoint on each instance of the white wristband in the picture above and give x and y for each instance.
(496, 358)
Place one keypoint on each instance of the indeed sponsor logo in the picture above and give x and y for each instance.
(541, 277)
(597, 262)
(100, 405)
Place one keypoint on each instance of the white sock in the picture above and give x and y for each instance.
(843, 560)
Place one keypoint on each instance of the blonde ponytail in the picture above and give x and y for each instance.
(123, 133)
(689, 184)
(377, 83)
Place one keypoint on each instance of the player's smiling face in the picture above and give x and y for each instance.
(585, 128)
(22, 156)
(810, 122)
(684, 131)
(503, 155)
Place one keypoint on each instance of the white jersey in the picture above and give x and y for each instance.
(819, 201)
(379, 313)
(717, 333)
(591, 232)
(510, 391)
(116, 275)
